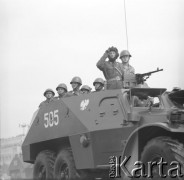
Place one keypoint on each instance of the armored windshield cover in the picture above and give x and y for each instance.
(145, 92)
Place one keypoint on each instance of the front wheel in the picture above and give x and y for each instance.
(43, 168)
(160, 156)
(64, 168)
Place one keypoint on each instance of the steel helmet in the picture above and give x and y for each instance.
(85, 87)
(98, 80)
(125, 53)
(76, 79)
(62, 85)
(49, 90)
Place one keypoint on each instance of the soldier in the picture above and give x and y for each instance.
(61, 90)
(85, 89)
(49, 94)
(76, 82)
(98, 84)
(140, 102)
(125, 57)
(111, 69)
(128, 70)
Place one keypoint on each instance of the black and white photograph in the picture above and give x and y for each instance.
(91, 89)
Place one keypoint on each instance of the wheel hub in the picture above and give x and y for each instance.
(64, 172)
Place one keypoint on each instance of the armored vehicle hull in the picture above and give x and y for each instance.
(76, 137)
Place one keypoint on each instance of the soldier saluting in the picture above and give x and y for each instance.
(111, 69)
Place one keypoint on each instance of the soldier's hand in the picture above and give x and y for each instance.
(106, 54)
(107, 51)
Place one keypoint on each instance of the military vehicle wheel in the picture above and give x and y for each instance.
(43, 168)
(168, 149)
(64, 167)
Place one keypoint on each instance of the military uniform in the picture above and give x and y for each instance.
(129, 76)
(59, 97)
(127, 70)
(113, 72)
(146, 102)
(73, 93)
(47, 101)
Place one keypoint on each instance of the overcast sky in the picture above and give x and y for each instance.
(47, 42)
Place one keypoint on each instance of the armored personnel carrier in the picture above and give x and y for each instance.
(105, 134)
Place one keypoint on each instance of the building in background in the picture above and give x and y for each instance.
(19, 169)
(9, 147)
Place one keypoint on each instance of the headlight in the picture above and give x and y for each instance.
(177, 116)
(84, 140)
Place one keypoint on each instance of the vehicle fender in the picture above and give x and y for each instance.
(138, 139)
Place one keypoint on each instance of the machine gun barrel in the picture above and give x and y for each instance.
(151, 72)
(142, 77)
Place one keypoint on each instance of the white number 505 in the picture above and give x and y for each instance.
(51, 118)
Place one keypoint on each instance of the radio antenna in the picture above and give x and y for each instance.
(126, 24)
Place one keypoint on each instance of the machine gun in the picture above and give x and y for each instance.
(142, 77)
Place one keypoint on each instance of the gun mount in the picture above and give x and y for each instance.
(132, 80)
(142, 77)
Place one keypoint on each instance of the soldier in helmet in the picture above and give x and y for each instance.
(125, 57)
(111, 69)
(85, 89)
(76, 82)
(98, 84)
(128, 70)
(49, 94)
(61, 90)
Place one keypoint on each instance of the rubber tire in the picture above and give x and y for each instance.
(45, 159)
(159, 147)
(65, 157)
